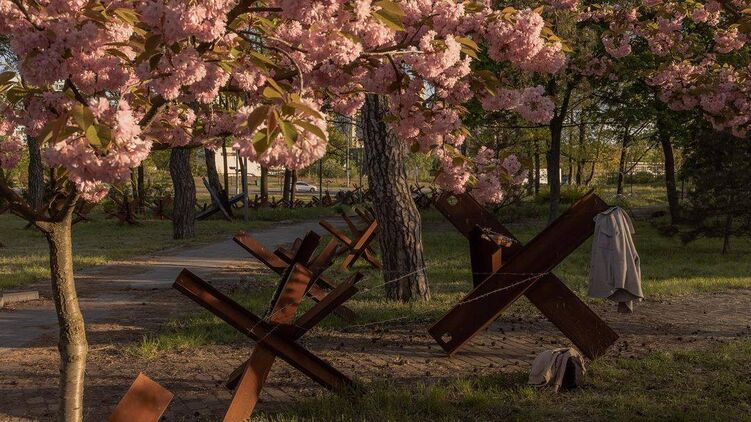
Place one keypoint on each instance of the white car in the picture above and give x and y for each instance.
(304, 187)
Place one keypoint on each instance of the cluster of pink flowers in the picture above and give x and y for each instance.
(123, 61)
(10, 146)
(691, 71)
(494, 174)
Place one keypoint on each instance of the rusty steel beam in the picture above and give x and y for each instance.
(549, 294)
(259, 330)
(257, 368)
(309, 319)
(145, 401)
(281, 260)
(320, 282)
(366, 236)
(360, 248)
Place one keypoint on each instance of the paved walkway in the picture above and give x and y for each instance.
(114, 289)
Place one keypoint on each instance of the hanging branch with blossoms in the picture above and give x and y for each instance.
(700, 53)
(101, 82)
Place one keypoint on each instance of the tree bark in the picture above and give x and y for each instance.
(554, 153)
(183, 218)
(400, 226)
(285, 188)
(36, 174)
(293, 186)
(72, 343)
(670, 184)
(580, 151)
(622, 163)
(537, 168)
(264, 184)
(213, 175)
(726, 234)
(141, 188)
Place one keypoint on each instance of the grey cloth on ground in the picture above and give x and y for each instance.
(557, 368)
(615, 272)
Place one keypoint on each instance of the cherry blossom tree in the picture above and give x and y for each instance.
(101, 83)
(693, 55)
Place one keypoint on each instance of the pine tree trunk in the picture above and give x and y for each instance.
(264, 184)
(400, 227)
(72, 342)
(183, 218)
(36, 174)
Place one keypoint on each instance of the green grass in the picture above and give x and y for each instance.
(24, 256)
(686, 385)
(669, 268)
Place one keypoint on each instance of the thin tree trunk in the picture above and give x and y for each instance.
(183, 218)
(537, 168)
(591, 174)
(36, 174)
(580, 151)
(72, 343)
(670, 184)
(292, 186)
(264, 184)
(726, 235)
(622, 163)
(400, 226)
(213, 175)
(554, 153)
(141, 188)
(285, 188)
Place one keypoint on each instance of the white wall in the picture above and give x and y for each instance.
(233, 164)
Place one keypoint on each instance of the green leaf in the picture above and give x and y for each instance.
(310, 127)
(6, 77)
(256, 117)
(93, 136)
(391, 7)
(468, 42)
(127, 15)
(289, 132)
(389, 20)
(270, 92)
(305, 109)
(83, 116)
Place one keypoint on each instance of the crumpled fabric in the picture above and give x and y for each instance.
(557, 368)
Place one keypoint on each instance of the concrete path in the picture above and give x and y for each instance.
(110, 290)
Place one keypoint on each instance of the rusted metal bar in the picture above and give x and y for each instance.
(310, 319)
(549, 294)
(360, 248)
(303, 252)
(484, 256)
(262, 358)
(259, 330)
(145, 401)
(357, 247)
(247, 242)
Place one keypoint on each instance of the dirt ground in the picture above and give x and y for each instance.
(405, 354)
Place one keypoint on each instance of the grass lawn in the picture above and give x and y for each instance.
(24, 259)
(668, 267)
(703, 385)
